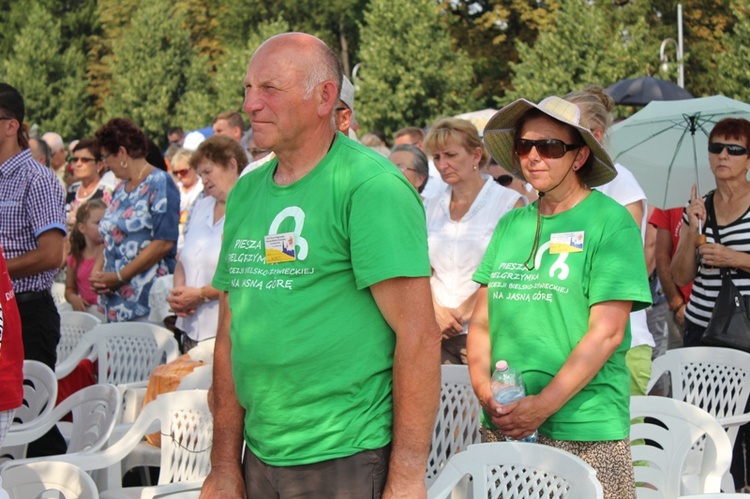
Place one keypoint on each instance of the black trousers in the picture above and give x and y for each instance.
(40, 324)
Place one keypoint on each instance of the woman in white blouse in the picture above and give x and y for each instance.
(218, 161)
(460, 222)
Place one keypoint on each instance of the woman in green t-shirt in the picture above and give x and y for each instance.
(558, 282)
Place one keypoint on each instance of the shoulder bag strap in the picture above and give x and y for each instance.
(711, 219)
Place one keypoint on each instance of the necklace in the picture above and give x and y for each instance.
(585, 191)
(142, 170)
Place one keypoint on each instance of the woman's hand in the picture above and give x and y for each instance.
(104, 282)
(718, 255)
(449, 321)
(184, 300)
(696, 211)
(521, 418)
(78, 304)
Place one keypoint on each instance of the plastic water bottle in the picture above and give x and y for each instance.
(507, 386)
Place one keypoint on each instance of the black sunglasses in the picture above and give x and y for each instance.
(547, 148)
(732, 149)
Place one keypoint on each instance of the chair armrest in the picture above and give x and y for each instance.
(737, 420)
(177, 489)
(132, 400)
(84, 349)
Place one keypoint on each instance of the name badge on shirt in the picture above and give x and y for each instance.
(280, 248)
(566, 242)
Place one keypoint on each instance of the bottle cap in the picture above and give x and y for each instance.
(501, 365)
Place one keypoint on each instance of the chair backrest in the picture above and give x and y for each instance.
(39, 393)
(515, 470)
(457, 422)
(73, 325)
(677, 448)
(715, 379)
(186, 435)
(32, 480)
(58, 293)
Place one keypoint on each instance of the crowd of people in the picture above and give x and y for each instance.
(336, 276)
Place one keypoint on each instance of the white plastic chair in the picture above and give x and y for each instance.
(515, 470)
(94, 410)
(457, 422)
(126, 352)
(715, 379)
(737, 495)
(33, 480)
(179, 490)
(58, 294)
(186, 427)
(693, 449)
(39, 396)
(73, 325)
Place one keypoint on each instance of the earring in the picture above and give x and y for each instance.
(475, 167)
(123, 164)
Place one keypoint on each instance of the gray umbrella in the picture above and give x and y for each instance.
(641, 91)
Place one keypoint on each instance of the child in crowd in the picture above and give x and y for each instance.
(86, 246)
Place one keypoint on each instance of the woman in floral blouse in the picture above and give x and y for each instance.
(139, 228)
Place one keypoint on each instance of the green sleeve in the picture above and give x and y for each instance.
(387, 231)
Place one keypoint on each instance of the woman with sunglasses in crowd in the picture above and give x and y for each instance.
(190, 185)
(729, 158)
(558, 282)
(87, 171)
(460, 221)
(140, 226)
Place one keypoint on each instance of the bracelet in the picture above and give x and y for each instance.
(205, 298)
(119, 276)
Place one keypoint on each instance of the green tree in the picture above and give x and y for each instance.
(488, 31)
(50, 78)
(410, 74)
(586, 44)
(732, 71)
(152, 63)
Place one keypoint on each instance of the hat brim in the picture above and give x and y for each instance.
(499, 135)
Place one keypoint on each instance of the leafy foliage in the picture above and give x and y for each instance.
(410, 73)
(50, 78)
(585, 45)
(732, 65)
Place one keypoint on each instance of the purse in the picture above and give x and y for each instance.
(730, 323)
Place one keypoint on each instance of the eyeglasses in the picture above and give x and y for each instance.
(82, 159)
(404, 168)
(106, 155)
(547, 148)
(256, 152)
(732, 149)
(181, 173)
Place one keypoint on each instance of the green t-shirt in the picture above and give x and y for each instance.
(312, 356)
(589, 254)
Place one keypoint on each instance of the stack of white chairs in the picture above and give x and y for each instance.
(715, 379)
(94, 410)
(186, 427)
(39, 396)
(457, 422)
(677, 448)
(73, 325)
(518, 470)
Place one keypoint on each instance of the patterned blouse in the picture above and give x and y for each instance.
(134, 219)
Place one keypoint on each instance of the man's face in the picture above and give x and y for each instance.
(176, 138)
(222, 127)
(58, 158)
(275, 98)
(36, 152)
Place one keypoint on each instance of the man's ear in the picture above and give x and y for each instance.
(329, 97)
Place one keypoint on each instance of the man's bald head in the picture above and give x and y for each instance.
(311, 56)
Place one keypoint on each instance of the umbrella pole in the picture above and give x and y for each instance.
(692, 122)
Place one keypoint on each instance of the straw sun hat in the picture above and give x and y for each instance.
(500, 130)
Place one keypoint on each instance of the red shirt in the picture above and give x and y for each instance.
(11, 343)
(671, 220)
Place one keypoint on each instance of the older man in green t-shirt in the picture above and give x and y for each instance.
(327, 353)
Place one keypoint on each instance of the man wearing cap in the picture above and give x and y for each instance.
(32, 233)
(345, 107)
(327, 348)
